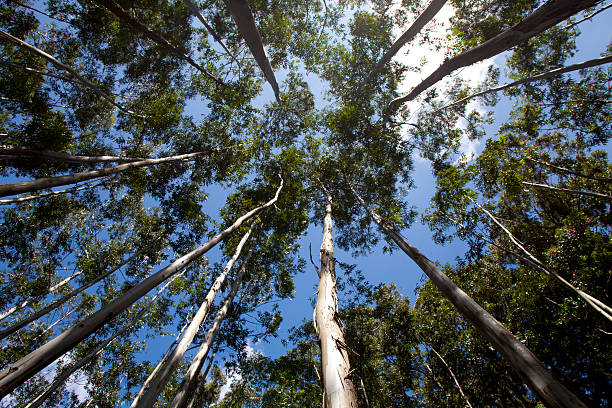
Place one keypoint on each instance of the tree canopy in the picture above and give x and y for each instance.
(164, 165)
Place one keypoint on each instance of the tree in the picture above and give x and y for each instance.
(119, 118)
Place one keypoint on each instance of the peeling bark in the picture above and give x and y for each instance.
(339, 389)
(19, 372)
(525, 363)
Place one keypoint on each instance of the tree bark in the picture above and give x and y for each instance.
(546, 16)
(48, 182)
(202, 377)
(84, 81)
(533, 371)
(553, 72)
(19, 372)
(339, 389)
(59, 302)
(190, 380)
(14, 152)
(246, 24)
(425, 17)
(158, 383)
(63, 376)
(133, 22)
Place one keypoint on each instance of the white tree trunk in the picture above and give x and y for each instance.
(24, 199)
(190, 380)
(48, 182)
(338, 388)
(20, 152)
(532, 370)
(158, 383)
(17, 373)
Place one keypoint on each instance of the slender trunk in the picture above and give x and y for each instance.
(190, 380)
(19, 152)
(24, 199)
(129, 19)
(569, 190)
(553, 72)
(569, 171)
(58, 321)
(196, 12)
(202, 378)
(59, 65)
(595, 303)
(31, 300)
(67, 372)
(339, 389)
(533, 371)
(40, 12)
(59, 302)
(246, 24)
(590, 16)
(465, 398)
(546, 16)
(159, 365)
(17, 373)
(48, 182)
(432, 9)
(158, 383)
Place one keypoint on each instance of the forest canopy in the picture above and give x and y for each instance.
(166, 164)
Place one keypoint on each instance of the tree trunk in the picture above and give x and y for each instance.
(246, 24)
(158, 383)
(67, 372)
(17, 373)
(59, 302)
(569, 190)
(84, 81)
(202, 377)
(48, 182)
(569, 171)
(532, 370)
(190, 380)
(553, 72)
(17, 152)
(416, 27)
(338, 388)
(133, 22)
(546, 16)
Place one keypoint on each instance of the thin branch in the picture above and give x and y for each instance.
(588, 17)
(569, 190)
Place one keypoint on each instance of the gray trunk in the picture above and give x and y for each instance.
(24, 199)
(158, 383)
(20, 152)
(246, 24)
(338, 388)
(17, 373)
(49, 182)
(534, 373)
(546, 16)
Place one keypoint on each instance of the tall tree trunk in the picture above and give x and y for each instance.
(15, 152)
(553, 72)
(189, 382)
(202, 377)
(246, 24)
(546, 16)
(416, 27)
(17, 373)
(338, 388)
(67, 372)
(133, 22)
(48, 182)
(533, 371)
(59, 302)
(158, 383)
(84, 81)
